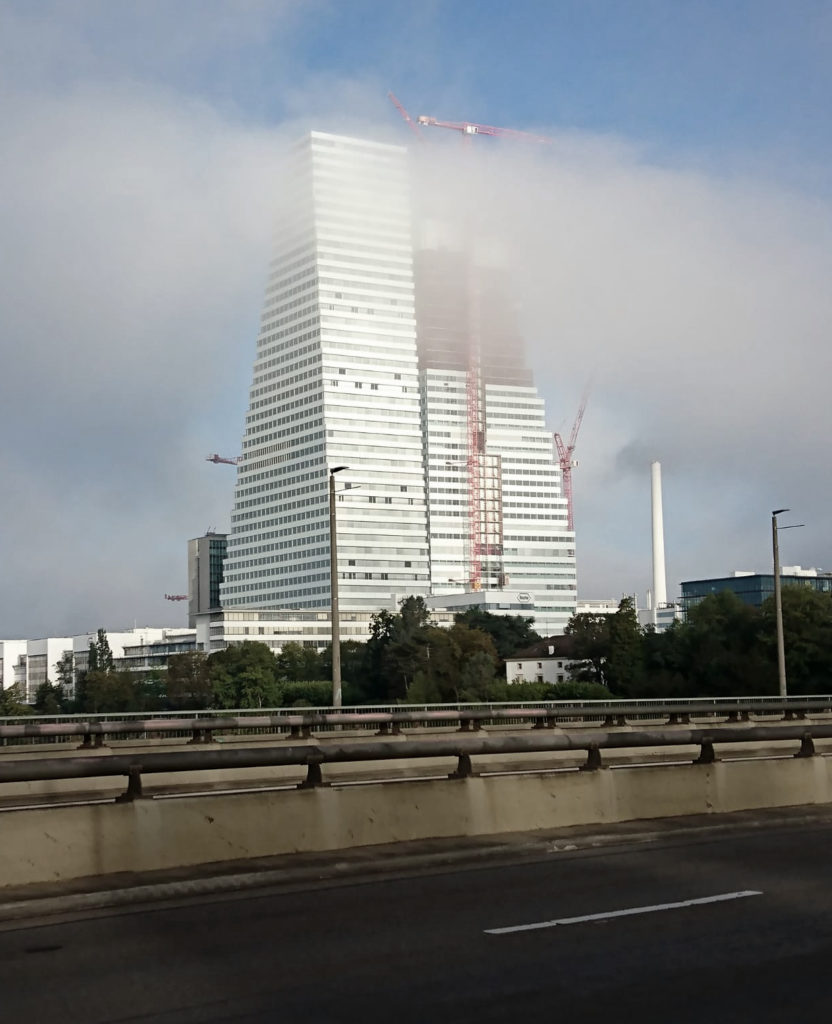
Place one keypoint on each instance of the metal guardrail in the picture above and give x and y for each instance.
(93, 729)
(313, 756)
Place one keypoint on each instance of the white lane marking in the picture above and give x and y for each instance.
(720, 898)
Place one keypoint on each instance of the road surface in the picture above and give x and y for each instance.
(735, 927)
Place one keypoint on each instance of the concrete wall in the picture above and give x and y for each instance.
(74, 842)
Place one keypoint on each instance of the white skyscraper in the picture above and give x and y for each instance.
(342, 379)
(336, 383)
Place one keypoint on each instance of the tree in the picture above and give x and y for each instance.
(100, 654)
(11, 703)
(65, 670)
(590, 635)
(719, 651)
(510, 633)
(50, 700)
(807, 635)
(244, 676)
(108, 692)
(624, 668)
(188, 684)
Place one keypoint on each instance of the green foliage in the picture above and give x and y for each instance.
(590, 635)
(100, 656)
(244, 676)
(510, 633)
(305, 693)
(807, 635)
(104, 691)
(12, 704)
(50, 699)
(574, 689)
(188, 682)
(624, 668)
(298, 662)
(65, 670)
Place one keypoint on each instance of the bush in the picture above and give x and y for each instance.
(305, 693)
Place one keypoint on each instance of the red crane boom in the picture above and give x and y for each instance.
(567, 463)
(219, 458)
(176, 597)
(484, 515)
(470, 128)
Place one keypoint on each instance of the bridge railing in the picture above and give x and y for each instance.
(199, 727)
(135, 765)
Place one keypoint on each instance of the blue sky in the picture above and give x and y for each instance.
(676, 243)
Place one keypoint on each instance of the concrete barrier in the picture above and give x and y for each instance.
(64, 843)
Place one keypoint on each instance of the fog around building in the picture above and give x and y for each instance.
(136, 212)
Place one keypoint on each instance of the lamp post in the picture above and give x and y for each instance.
(778, 603)
(778, 596)
(333, 590)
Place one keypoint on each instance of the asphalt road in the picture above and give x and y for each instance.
(421, 948)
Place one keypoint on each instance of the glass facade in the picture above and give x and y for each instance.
(753, 588)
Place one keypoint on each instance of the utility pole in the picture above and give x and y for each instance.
(333, 590)
(778, 603)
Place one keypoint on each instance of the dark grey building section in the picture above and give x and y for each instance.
(206, 556)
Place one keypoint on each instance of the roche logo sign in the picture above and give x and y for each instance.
(524, 597)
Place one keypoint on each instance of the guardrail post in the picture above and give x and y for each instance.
(314, 779)
(383, 729)
(134, 787)
(397, 729)
(706, 752)
(86, 742)
(593, 759)
(620, 719)
(807, 746)
(463, 768)
(99, 739)
(196, 736)
(464, 726)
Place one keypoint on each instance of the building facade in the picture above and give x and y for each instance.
(26, 664)
(754, 588)
(401, 366)
(206, 558)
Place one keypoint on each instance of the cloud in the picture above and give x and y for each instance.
(136, 211)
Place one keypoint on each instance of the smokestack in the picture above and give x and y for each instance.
(659, 577)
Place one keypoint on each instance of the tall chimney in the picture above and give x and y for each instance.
(659, 576)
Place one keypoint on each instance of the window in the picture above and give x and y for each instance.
(397, 376)
(351, 561)
(342, 369)
(403, 488)
(374, 387)
(358, 384)
(407, 565)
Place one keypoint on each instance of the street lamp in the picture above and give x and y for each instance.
(333, 590)
(778, 597)
(778, 603)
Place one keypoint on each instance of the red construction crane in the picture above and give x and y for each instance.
(469, 128)
(408, 119)
(567, 463)
(219, 458)
(484, 489)
(176, 597)
(481, 520)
